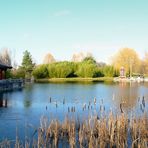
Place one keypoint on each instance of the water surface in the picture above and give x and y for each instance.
(20, 111)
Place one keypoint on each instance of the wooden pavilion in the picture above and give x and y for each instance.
(3, 69)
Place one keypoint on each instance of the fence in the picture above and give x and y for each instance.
(11, 84)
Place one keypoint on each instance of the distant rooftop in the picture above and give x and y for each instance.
(4, 66)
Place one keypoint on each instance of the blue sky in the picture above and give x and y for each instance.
(65, 27)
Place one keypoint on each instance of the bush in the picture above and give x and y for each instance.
(100, 72)
(18, 73)
(89, 60)
(40, 71)
(9, 74)
(109, 71)
(61, 70)
(86, 69)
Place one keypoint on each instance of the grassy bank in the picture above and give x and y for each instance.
(100, 79)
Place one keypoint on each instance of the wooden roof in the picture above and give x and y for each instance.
(4, 67)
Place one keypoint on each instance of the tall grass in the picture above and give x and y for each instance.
(107, 131)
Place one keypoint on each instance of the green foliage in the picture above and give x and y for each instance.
(40, 71)
(109, 71)
(27, 63)
(116, 73)
(100, 72)
(9, 74)
(90, 60)
(87, 69)
(19, 73)
(61, 70)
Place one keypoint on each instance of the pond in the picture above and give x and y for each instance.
(20, 111)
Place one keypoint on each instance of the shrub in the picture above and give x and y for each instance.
(40, 71)
(17, 73)
(86, 69)
(61, 70)
(9, 74)
(90, 60)
(109, 71)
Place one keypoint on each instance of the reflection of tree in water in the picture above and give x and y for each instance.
(28, 87)
(28, 97)
(27, 103)
(127, 94)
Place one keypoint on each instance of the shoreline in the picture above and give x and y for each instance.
(100, 79)
(88, 80)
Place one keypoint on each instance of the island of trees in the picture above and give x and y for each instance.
(81, 66)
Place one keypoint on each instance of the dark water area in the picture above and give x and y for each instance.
(21, 111)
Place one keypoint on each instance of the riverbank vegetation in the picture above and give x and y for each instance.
(84, 69)
(95, 131)
(81, 66)
(87, 68)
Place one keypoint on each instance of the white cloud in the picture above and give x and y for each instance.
(62, 13)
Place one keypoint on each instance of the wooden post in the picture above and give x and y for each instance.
(4, 74)
(1, 102)
(0, 74)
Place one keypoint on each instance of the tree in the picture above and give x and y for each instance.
(40, 71)
(86, 69)
(109, 71)
(27, 63)
(101, 64)
(61, 69)
(78, 57)
(5, 57)
(18, 73)
(49, 59)
(144, 64)
(129, 59)
(89, 59)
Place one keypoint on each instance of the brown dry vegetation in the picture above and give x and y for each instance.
(107, 131)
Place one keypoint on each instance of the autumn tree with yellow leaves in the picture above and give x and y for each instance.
(127, 58)
(144, 64)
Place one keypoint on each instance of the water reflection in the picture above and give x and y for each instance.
(28, 96)
(3, 102)
(127, 94)
(130, 97)
(27, 103)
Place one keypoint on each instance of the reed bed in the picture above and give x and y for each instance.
(112, 131)
(100, 130)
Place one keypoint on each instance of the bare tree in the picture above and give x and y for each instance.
(5, 56)
(49, 59)
(78, 57)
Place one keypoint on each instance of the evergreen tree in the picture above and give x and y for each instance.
(27, 63)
